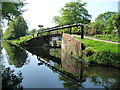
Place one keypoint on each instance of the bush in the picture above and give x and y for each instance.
(105, 58)
(89, 51)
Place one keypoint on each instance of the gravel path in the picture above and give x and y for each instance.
(97, 39)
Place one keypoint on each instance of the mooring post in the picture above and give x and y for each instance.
(82, 32)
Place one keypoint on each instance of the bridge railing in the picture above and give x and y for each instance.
(64, 27)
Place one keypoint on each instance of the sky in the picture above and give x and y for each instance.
(41, 12)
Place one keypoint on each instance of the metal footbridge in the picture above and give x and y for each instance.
(64, 27)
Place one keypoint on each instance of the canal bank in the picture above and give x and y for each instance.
(93, 51)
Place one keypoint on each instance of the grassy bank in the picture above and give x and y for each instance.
(102, 53)
(21, 40)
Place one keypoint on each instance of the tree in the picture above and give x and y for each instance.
(56, 20)
(104, 23)
(73, 12)
(16, 29)
(117, 23)
(110, 24)
(12, 9)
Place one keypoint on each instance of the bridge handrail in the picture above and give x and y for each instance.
(63, 27)
(60, 27)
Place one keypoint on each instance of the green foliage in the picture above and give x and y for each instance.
(16, 29)
(105, 23)
(117, 22)
(73, 12)
(56, 20)
(89, 51)
(109, 37)
(22, 40)
(105, 58)
(12, 9)
(105, 16)
(41, 29)
(33, 31)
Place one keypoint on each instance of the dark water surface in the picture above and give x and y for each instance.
(52, 68)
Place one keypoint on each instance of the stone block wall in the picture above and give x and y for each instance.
(72, 45)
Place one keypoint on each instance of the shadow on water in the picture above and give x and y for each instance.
(44, 53)
(73, 73)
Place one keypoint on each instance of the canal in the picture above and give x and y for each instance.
(51, 68)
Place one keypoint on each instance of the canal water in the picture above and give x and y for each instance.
(51, 68)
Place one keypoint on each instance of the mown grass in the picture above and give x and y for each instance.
(100, 46)
(102, 53)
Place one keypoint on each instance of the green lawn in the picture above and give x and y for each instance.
(100, 46)
(102, 53)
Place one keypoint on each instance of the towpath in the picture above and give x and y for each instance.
(96, 39)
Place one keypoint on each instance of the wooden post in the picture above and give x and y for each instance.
(82, 32)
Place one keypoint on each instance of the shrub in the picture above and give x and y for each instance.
(105, 58)
(89, 51)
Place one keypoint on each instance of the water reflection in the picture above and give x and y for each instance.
(74, 74)
(105, 76)
(16, 56)
(71, 73)
(10, 80)
(100, 76)
(75, 69)
(0, 65)
(44, 53)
